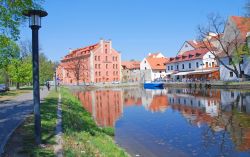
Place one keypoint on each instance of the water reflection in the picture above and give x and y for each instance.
(177, 122)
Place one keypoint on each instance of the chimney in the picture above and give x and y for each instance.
(248, 39)
(110, 43)
(194, 41)
(101, 41)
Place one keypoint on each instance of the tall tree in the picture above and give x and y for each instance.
(222, 44)
(46, 70)
(20, 71)
(78, 67)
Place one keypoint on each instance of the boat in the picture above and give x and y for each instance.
(153, 85)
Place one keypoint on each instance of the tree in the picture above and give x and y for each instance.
(20, 71)
(46, 70)
(78, 67)
(228, 44)
(8, 50)
(10, 20)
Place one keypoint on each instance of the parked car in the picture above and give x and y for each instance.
(3, 88)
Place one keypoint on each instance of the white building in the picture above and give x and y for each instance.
(195, 64)
(153, 67)
(237, 28)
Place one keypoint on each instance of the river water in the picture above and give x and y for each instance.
(174, 122)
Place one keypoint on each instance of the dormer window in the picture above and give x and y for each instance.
(190, 56)
(197, 54)
(158, 64)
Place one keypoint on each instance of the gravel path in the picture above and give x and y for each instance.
(58, 148)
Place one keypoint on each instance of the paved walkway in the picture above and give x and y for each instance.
(13, 113)
(58, 148)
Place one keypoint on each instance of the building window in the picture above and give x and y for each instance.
(116, 66)
(183, 66)
(117, 73)
(95, 58)
(145, 68)
(99, 73)
(144, 61)
(106, 51)
(95, 65)
(160, 71)
(189, 65)
(213, 64)
(96, 73)
(106, 66)
(171, 67)
(232, 94)
(168, 68)
(177, 67)
(197, 64)
(113, 66)
(209, 56)
(98, 58)
(107, 73)
(99, 66)
(106, 58)
(231, 74)
(206, 64)
(116, 58)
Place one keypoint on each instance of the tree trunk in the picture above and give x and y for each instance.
(6, 79)
(17, 85)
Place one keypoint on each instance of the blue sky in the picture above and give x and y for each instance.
(136, 27)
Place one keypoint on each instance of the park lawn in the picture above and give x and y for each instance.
(22, 142)
(13, 93)
(82, 137)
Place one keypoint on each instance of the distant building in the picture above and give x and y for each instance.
(96, 63)
(153, 67)
(236, 29)
(197, 64)
(131, 71)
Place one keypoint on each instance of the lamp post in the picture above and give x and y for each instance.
(55, 81)
(202, 64)
(35, 24)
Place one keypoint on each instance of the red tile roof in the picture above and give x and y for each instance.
(131, 64)
(243, 24)
(84, 50)
(157, 63)
(189, 55)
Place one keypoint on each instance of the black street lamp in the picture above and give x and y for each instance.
(35, 24)
(55, 78)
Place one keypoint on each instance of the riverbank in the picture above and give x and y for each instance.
(103, 85)
(81, 135)
(215, 85)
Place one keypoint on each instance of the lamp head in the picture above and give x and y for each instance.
(35, 17)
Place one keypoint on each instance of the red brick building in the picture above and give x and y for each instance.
(92, 64)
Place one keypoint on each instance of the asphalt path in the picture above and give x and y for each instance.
(13, 112)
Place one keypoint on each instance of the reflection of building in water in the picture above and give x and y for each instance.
(132, 96)
(104, 105)
(236, 116)
(155, 100)
(196, 106)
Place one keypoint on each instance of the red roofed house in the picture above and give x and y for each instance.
(197, 64)
(153, 67)
(131, 71)
(92, 64)
(237, 29)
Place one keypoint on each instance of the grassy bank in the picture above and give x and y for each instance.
(82, 137)
(22, 142)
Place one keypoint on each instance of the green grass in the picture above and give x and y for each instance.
(25, 133)
(82, 137)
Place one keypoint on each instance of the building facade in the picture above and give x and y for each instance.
(97, 63)
(198, 64)
(153, 67)
(131, 71)
(236, 29)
